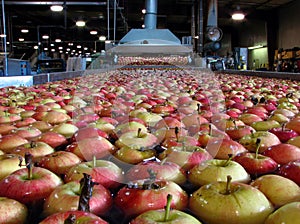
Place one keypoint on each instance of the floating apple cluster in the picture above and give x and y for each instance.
(183, 145)
(166, 60)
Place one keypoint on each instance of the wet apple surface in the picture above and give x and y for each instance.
(144, 133)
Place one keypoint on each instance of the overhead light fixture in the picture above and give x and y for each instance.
(255, 47)
(238, 14)
(45, 37)
(21, 39)
(24, 30)
(102, 38)
(35, 47)
(57, 40)
(93, 32)
(2, 35)
(56, 8)
(144, 11)
(80, 23)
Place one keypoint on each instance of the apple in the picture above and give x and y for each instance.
(11, 141)
(12, 211)
(55, 117)
(221, 148)
(144, 195)
(130, 155)
(294, 141)
(217, 170)
(36, 149)
(248, 118)
(267, 139)
(87, 148)
(129, 126)
(25, 122)
(254, 163)
(279, 190)
(43, 126)
(29, 185)
(29, 133)
(6, 128)
(164, 170)
(205, 136)
(265, 125)
(59, 162)
(80, 217)
(103, 172)
(279, 118)
(65, 129)
(165, 216)
(66, 198)
(284, 134)
(286, 214)
(294, 124)
(136, 139)
(88, 132)
(8, 164)
(53, 139)
(291, 171)
(185, 156)
(237, 132)
(236, 203)
(283, 153)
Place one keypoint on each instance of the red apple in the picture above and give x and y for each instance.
(53, 139)
(9, 142)
(291, 171)
(283, 153)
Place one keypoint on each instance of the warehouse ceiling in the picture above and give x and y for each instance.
(175, 15)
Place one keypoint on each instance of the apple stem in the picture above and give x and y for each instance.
(228, 185)
(283, 126)
(32, 144)
(86, 191)
(235, 126)
(139, 133)
(210, 130)
(168, 207)
(230, 156)
(198, 108)
(94, 161)
(177, 133)
(71, 219)
(258, 143)
(28, 164)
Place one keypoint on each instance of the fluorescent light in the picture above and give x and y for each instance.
(45, 37)
(238, 16)
(35, 47)
(78, 46)
(21, 39)
(45, 49)
(80, 23)
(2, 35)
(93, 32)
(144, 11)
(57, 40)
(24, 31)
(102, 38)
(255, 47)
(53, 50)
(56, 8)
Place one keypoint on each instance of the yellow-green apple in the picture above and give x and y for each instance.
(9, 118)
(294, 141)
(53, 139)
(137, 139)
(217, 170)
(164, 170)
(29, 186)
(285, 112)
(65, 129)
(186, 157)
(103, 172)
(283, 153)
(165, 216)
(36, 149)
(130, 126)
(12, 211)
(267, 140)
(11, 141)
(265, 125)
(132, 155)
(291, 171)
(66, 198)
(8, 164)
(80, 217)
(59, 162)
(87, 148)
(287, 214)
(205, 136)
(242, 203)
(279, 190)
(103, 125)
(144, 195)
(55, 117)
(279, 118)
(165, 133)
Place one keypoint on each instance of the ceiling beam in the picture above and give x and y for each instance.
(53, 3)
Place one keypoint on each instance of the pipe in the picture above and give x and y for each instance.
(115, 19)
(4, 41)
(108, 18)
(200, 28)
(151, 14)
(212, 17)
(193, 25)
